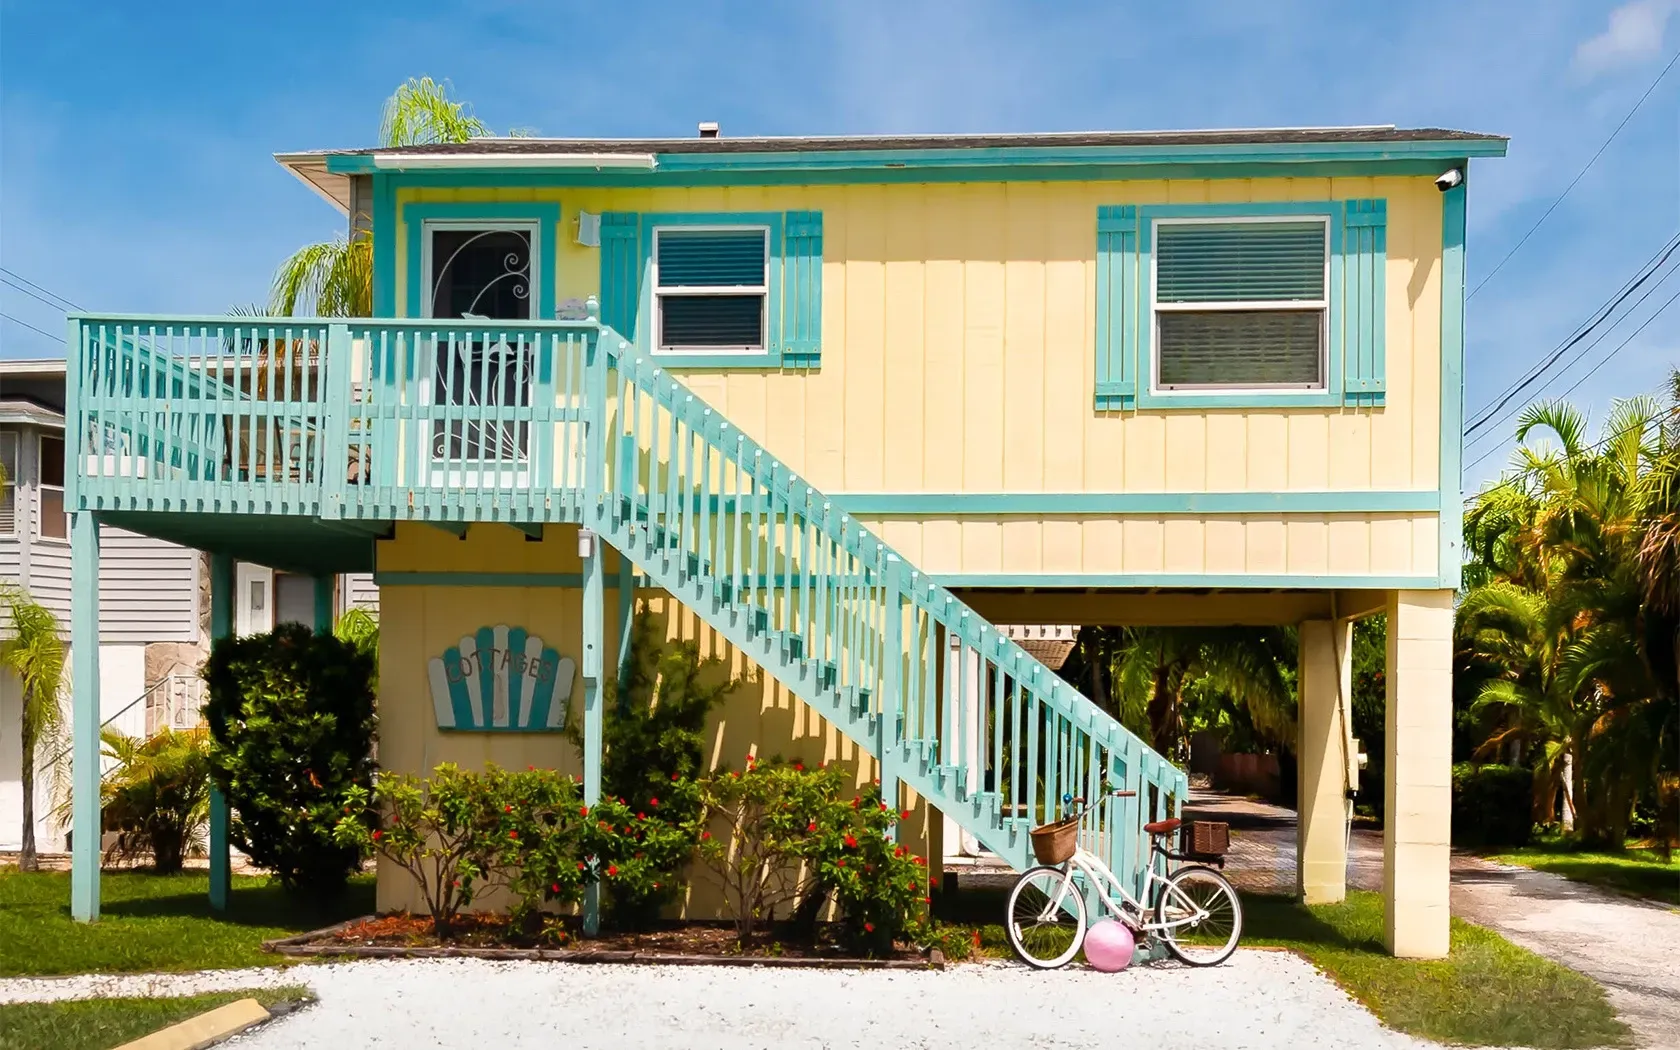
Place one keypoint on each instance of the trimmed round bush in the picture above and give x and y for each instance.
(1492, 805)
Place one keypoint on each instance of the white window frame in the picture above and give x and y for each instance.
(760, 290)
(41, 487)
(1157, 308)
(454, 473)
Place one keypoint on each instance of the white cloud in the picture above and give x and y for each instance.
(1635, 34)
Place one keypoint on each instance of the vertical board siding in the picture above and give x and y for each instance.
(959, 352)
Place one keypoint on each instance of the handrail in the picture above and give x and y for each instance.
(703, 500)
(125, 709)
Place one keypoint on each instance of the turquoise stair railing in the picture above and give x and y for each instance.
(944, 699)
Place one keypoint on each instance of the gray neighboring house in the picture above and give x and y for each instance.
(154, 601)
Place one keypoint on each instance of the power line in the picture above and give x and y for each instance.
(1603, 333)
(31, 327)
(14, 275)
(1631, 336)
(7, 281)
(1578, 177)
(1646, 272)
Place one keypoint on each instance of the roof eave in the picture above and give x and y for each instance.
(311, 169)
(344, 164)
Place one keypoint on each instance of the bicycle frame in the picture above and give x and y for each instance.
(1101, 880)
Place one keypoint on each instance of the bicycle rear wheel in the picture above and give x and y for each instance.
(1046, 918)
(1211, 939)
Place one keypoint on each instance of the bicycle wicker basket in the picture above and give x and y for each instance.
(1206, 838)
(1055, 843)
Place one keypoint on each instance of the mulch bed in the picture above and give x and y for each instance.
(401, 935)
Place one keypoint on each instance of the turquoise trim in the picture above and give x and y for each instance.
(545, 214)
(934, 504)
(1222, 581)
(384, 232)
(85, 846)
(223, 581)
(1451, 481)
(883, 175)
(324, 603)
(479, 579)
(1125, 365)
(1049, 155)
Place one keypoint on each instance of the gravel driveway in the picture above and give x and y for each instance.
(1256, 1000)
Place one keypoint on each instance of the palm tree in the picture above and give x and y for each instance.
(34, 654)
(1245, 664)
(335, 278)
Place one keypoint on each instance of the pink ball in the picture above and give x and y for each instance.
(1109, 946)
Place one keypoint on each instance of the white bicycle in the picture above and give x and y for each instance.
(1194, 910)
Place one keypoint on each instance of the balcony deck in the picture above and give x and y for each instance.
(294, 442)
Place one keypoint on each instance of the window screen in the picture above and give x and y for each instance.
(8, 483)
(1240, 304)
(710, 288)
(50, 469)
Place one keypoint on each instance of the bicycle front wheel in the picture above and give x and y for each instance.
(1203, 941)
(1046, 918)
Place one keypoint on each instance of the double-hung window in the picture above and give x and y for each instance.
(711, 289)
(52, 523)
(8, 482)
(1241, 304)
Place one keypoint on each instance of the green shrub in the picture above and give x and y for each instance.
(1492, 805)
(157, 799)
(880, 886)
(654, 750)
(765, 819)
(292, 720)
(545, 838)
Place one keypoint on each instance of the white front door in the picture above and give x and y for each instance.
(253, 608)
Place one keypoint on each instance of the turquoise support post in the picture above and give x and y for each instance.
(84, 654)
(892, 686)
(594, 642)
(221, 626)
(324, 603)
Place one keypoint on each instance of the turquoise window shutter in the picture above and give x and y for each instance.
(621, 271)
(1359, 324)
(1119, 307)
(801, 290)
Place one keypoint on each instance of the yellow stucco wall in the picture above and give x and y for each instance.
(958, 355)
(420, 622)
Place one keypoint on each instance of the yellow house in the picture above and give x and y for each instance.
(842, 410)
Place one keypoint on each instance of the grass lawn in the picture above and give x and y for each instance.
(1640, 872)
(1488, 992)
(153, 922)
(98, 1024)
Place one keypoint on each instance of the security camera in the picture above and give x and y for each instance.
(1448, 179)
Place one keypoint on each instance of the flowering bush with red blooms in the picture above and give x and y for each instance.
(543, 837)
(759, 823)
(654, 753)
(880, 887)
(445, 831)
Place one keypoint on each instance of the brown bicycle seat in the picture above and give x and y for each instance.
(1163, 827)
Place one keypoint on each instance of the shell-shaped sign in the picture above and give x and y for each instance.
(501, 680)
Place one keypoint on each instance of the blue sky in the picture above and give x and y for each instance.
(136, 139)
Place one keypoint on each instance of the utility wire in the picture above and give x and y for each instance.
(32, 328)
(1485, 415)
(1631, 336)
(7, 281)
(14, 275)
(1603, 333)
(1578, 177)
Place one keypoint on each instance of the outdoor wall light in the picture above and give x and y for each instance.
(586, 543)
(1449, 178)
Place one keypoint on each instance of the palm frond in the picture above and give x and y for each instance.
(420, 112)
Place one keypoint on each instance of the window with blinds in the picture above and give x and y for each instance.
(8, 483)
(1240, 304)
(710, 289)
